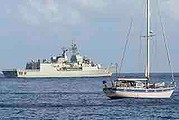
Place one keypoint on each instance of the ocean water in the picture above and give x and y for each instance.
(78, 99)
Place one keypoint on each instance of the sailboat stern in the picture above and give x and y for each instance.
(111, 93)
(10, 73)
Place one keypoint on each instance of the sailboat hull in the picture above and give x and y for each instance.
(138, 93)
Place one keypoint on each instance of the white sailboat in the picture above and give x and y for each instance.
(140, 87)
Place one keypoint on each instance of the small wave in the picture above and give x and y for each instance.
(168, 118)
(92, 103)
(50, 93)
(50, 105)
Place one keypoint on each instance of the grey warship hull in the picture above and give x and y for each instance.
(56, 74)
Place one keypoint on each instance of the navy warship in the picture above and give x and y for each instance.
(61, 66)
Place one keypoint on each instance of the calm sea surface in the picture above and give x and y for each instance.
(78, 99)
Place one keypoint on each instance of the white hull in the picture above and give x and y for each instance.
(65, 74)
(134, 94)
(49, 70)
(57, 74)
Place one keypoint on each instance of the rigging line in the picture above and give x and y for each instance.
(127, 41)
(153, 48)
(165, 41)
(140, 55)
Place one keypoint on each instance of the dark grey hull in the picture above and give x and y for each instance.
(10, 73)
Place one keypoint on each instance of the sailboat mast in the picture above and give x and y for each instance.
(148, 40)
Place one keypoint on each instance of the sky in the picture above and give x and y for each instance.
(33, 29)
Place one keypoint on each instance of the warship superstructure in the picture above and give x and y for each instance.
(61, 66)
